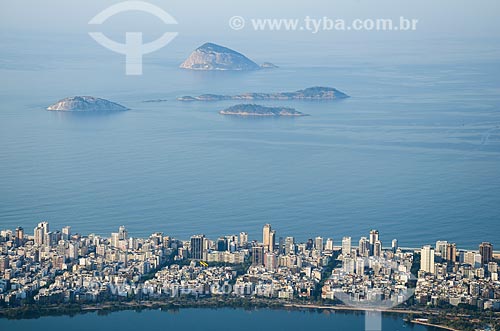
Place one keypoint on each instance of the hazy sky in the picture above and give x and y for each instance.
(479, 18)
(446, 28)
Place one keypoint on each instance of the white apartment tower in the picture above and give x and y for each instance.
(427, 259)
(243, 238)
(318, 244)
(346, 246)
(329, 244)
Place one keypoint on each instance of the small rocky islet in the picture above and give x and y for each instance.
(259, 110)
(85, 104)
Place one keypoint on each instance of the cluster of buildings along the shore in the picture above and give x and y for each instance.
(451, 276)
(58, 266)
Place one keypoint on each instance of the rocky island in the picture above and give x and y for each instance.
(258, 110)
(86, 103)
(211, 56)
(268, 65)
(310, 93)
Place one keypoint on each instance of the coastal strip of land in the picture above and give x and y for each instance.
(415, 321)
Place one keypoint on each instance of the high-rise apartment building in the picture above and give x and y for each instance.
(427, 259)
(122, 233)
(257, 255)
(19, 236)
(486, 251)
(364, 247)
(451, 253)
(394, 245)
(197, 246)
(473, 258)
(289, 245)
(346, 246)
(349, 265)
(66, 233)
(329, 244)
(318, 244)
(270, 261)
(441, 248)
(4, 263)
(222, 244)
(360, 266)
(272, 241)
(377, 248)
(40, 233)
(373, 239)
(115, 239)
(243, 239)
(266, 237)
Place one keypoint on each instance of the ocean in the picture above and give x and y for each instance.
(414, 152)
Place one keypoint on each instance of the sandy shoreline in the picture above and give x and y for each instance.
(434, 325)
(338, 307)
(394, 311)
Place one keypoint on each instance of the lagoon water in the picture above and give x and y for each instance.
(210, 319)
(415, 151)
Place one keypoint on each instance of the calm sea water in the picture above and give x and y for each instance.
(209, 319)
(415, 152)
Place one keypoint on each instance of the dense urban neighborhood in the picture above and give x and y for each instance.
(58, 268)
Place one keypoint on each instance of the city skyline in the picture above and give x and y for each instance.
(199, 245)
(59, 267)
(439, 245)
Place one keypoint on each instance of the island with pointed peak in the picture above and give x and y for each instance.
(210, 56)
